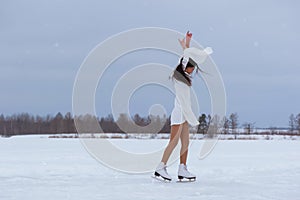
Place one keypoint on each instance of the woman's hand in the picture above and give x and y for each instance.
(188, 39)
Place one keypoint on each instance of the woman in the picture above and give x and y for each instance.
(182, 114)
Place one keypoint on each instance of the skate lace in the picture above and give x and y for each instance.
(185, 167)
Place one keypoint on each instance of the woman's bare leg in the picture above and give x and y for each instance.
(174, 138)
(185, 138)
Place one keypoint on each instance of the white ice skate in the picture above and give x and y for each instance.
(161, 171)
(183, 173)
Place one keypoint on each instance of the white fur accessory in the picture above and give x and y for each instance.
(184, 62)
(198, 55)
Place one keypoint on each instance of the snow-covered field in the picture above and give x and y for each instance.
(35, 167)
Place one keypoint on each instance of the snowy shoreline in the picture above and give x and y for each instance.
(158, 136)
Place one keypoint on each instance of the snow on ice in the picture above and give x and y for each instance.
(37, 167)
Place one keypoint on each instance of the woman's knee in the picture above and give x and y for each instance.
(173, 142)
(185, 144)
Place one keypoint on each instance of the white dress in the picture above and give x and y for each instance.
(182, 110)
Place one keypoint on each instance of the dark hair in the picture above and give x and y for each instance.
(179, 73)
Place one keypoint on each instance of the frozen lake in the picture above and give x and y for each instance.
(34, 167)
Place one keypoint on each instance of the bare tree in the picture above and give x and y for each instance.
(2, 125)
(248, 127)
(203, 125)
(214, 127)
(166, 128)
(297, 119)
(233, 122)
(292, 122)
(68, 123)
(226, 125)
(124, 123)
(57, 123)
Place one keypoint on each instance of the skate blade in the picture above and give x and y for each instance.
(161, 179)
(186, 180)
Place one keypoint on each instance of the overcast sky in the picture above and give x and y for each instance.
(256, 48)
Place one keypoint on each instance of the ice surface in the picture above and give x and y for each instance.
(41, 168)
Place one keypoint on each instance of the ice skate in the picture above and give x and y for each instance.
(184, 174)
(161, 171)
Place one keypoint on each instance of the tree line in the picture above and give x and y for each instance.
(25, 123)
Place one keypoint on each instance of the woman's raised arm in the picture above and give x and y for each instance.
(185, 42)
